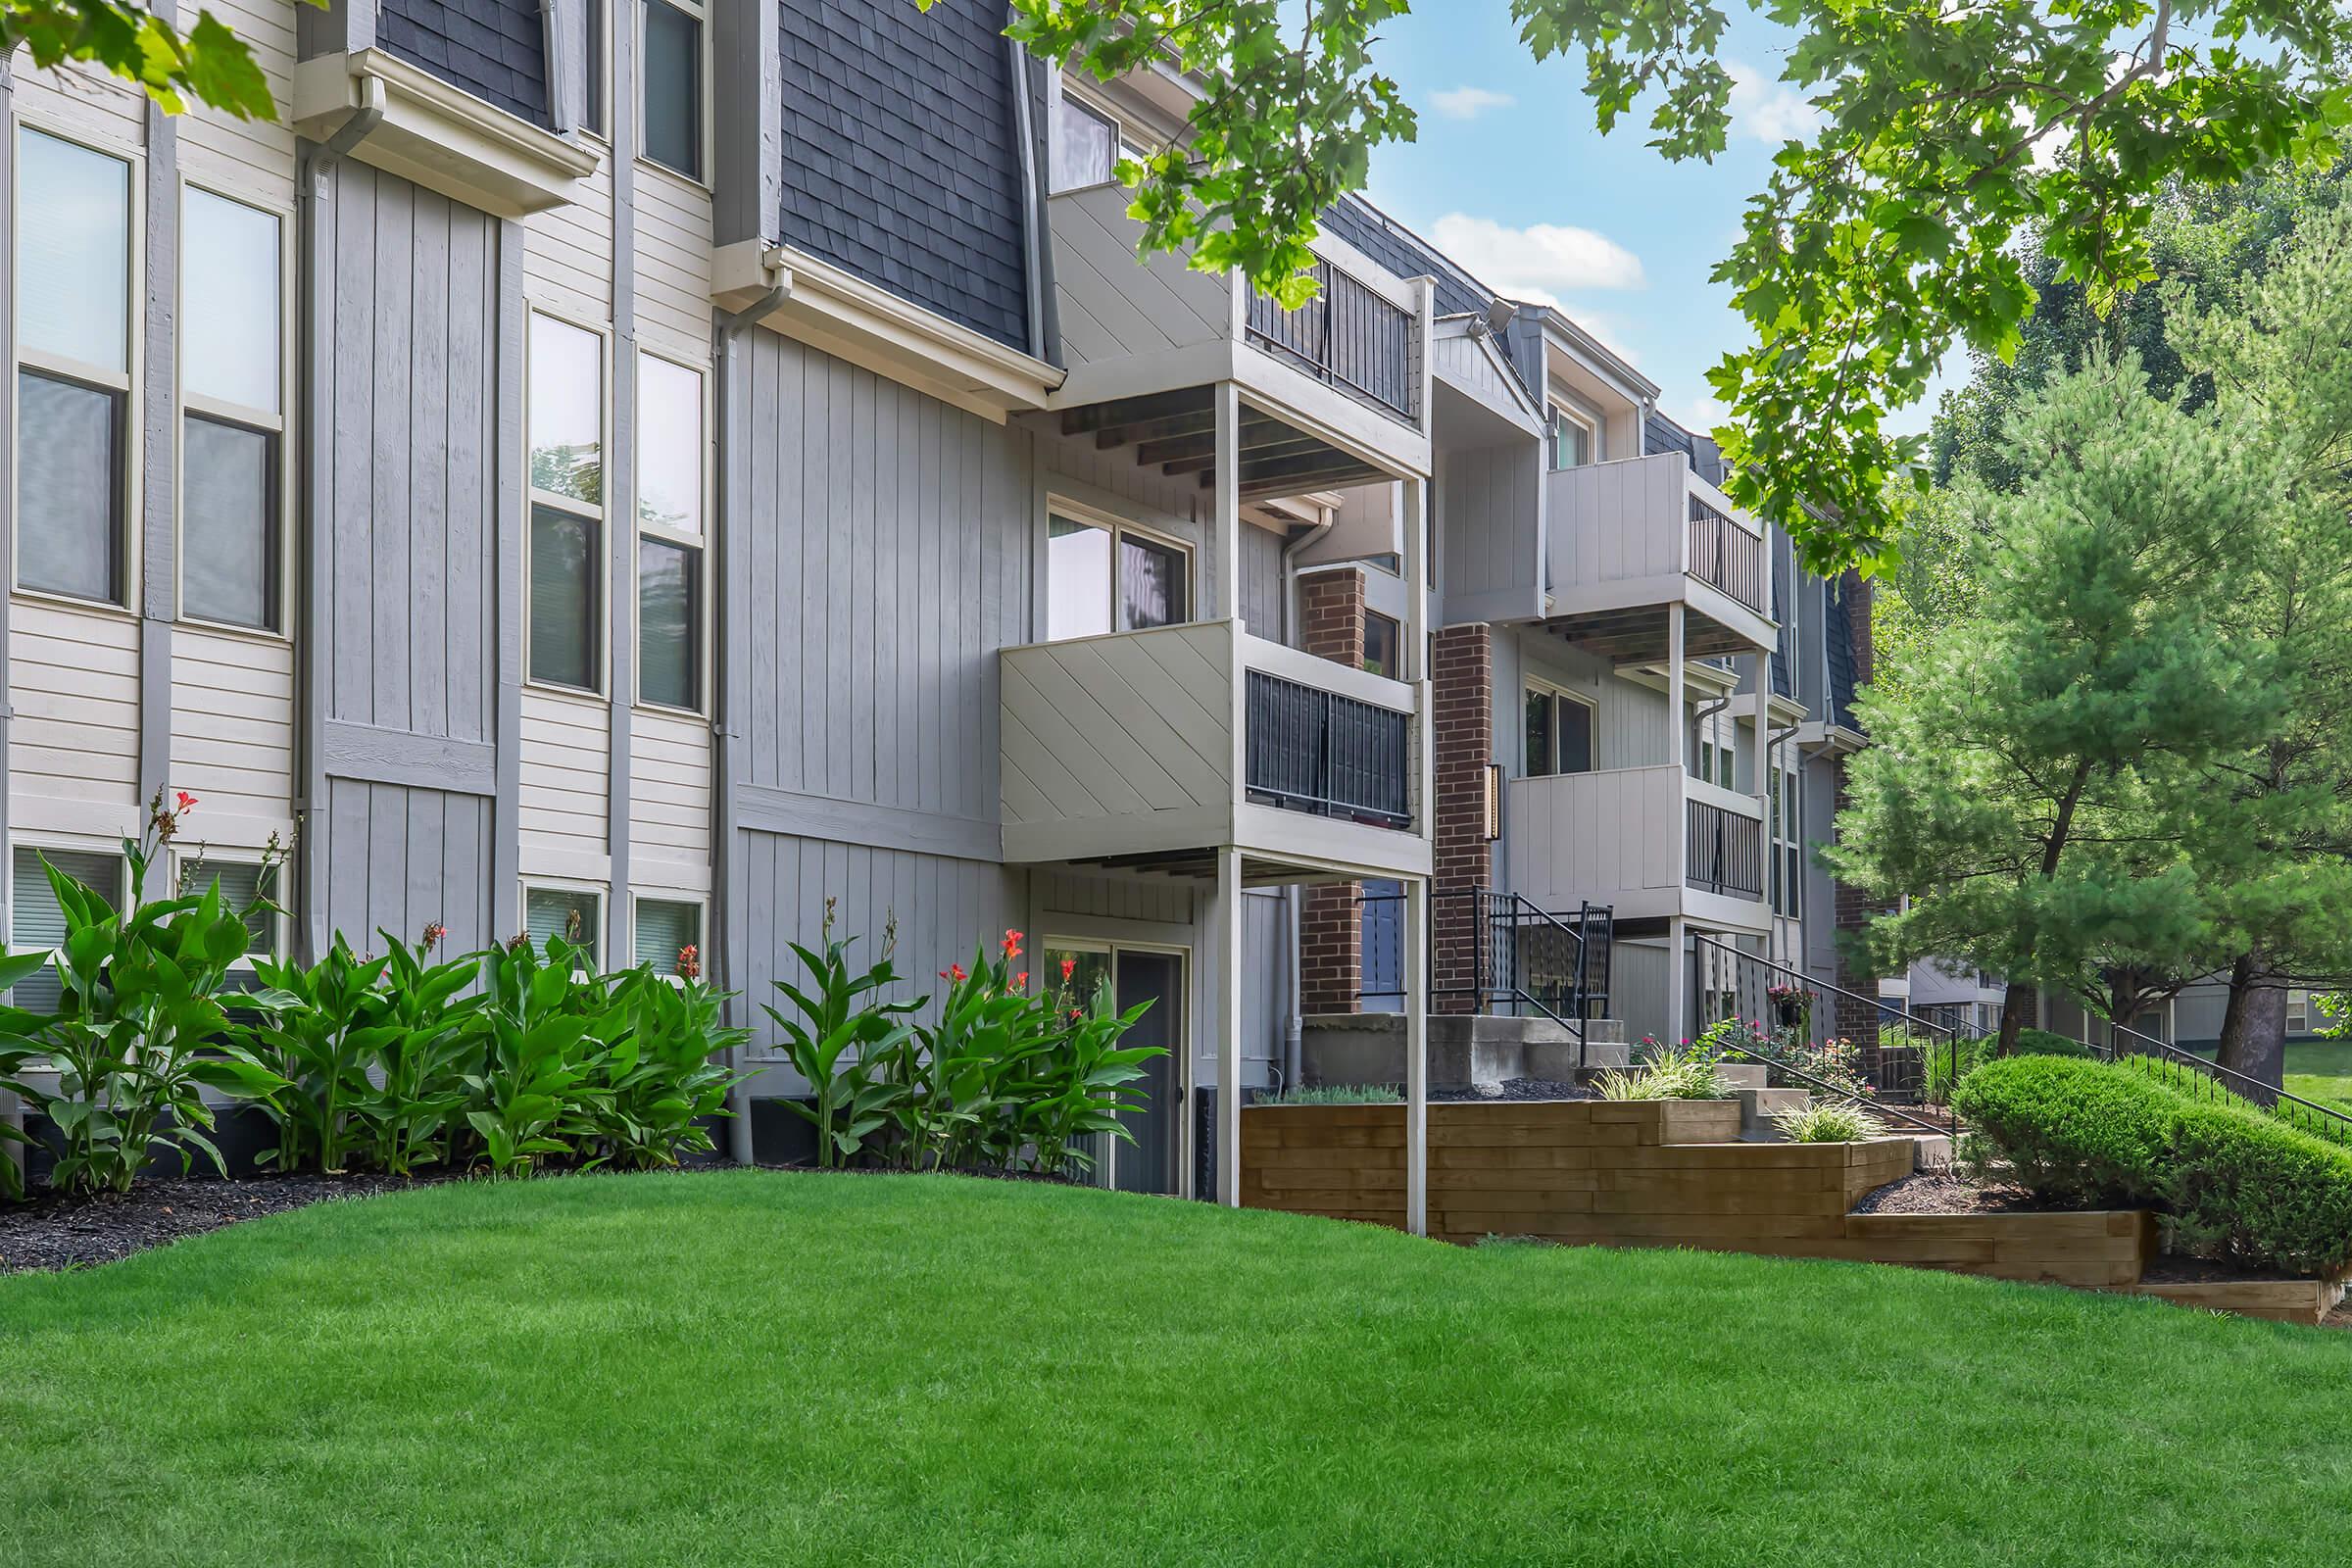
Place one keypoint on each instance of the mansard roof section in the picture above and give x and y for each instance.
(1662, 435)
(493, 49)
(901, 154)
(1407, 255)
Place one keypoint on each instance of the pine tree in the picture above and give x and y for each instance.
(2023, 785)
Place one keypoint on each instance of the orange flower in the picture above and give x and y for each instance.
(188, 802)
(1021, 979)
(954, 972)
(1012, 943)
(690, 962)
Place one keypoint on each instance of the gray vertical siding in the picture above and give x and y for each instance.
(405, 657)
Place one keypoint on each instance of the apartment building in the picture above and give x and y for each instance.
(672, 474)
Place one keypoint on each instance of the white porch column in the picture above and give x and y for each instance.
(1228, 1025)
(1675, 697)
(1417, 1056)
(1227, 524)
(1761, 663)
(1678, 981)
(1678, 958)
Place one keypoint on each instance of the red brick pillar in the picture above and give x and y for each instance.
(1331, 612)
(1462, 695)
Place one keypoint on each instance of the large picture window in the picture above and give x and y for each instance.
(232, 419)
(1102, 578)
(567, 504)
(72, 368)
(670, 490)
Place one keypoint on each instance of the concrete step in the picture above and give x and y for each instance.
(1744, 1074)
(1758, 1106)
(1559, 1062)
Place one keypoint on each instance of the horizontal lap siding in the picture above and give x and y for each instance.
(568, 251)
(673, 262)
(669, 801)
(232, 733)
(566, 751)
(74, 743)
(247, 157)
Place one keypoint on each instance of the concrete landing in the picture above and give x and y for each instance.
(1465, 1051)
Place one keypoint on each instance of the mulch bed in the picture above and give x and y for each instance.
(57, 1230)
(1942, 1193)
(1519, 1089)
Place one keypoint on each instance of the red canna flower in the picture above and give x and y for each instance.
(690, 962)
(1068, 966)
(1012, 943)
(1021, 980)
(433, 934)
(954, 972)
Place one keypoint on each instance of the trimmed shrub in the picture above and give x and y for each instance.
(2234, 1184)
(2076, 1132)
(2042, 1043)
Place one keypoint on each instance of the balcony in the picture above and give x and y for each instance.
(1334, 392)
(1155, 749)
(1652, 842)
(1630, 538)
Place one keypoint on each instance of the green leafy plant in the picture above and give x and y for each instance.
(839, 1035)
(1829, 1121)
(321, 1028)
(1336, 1095)
(658, 1081)
(1083, 1083)
(1688, 1071)
(141, 1029)
(535, 1091)
(437, 1034)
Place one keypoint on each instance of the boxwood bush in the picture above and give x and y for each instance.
(2233, 1183)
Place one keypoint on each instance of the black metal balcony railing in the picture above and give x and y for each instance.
(1314, 750)
(1727, 851)
(1728, 557)
(1346, 335)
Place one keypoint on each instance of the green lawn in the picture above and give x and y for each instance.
(750, 1369)
(2321, 1071)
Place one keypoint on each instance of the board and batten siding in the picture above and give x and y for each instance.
(407, 661)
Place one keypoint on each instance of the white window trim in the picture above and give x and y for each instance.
(1562, 411)
(602, 945)
(699, 543)
(281, 923)
(1537, 685)
(1116, 526)
(124, 382)
(601, 607)
(279, 425)
(699, 902)
(705, 131)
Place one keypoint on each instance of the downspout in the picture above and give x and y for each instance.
(1293, 1025)
(1037, 256)
(730, 346)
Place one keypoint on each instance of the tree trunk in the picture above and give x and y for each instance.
(2016, 1017)
(2254, 1029)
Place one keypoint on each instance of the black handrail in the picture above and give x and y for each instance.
(1776, 1062)
(2213, 1080)
(1728, 557)
(1314, 750)
(1720, 857)
(1495, 922)
(1346, 335)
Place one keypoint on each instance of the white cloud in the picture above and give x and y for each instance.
(1767, 110)
(1539, 262)
(1701, 414)
(1468, 102)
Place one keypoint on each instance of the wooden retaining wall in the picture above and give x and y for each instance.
(1656, 1173)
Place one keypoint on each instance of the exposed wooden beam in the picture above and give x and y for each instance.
(1133, 411)
(1295, 445)
(1178, 445)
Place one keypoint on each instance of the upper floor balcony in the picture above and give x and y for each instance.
(1156, 748)
(1335, 392)
(1651, 842)
(1629, 539)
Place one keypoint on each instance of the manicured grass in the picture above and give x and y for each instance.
(747, 1368)
(2321, 1071)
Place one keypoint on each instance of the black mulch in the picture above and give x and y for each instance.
(1942, 1193)
(57, 1230)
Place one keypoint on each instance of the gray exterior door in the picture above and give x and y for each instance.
(1148, 1165)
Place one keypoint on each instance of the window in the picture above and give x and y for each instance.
(663, 927)
(673, 68)
(565, 913)
(1571, 439)
(1101, 579)
(1384, 642)
(37, 921)
(2298, 1013)
(72, 368)
(567, 504)
(1559, 733)
(1783, 811)
(1084, 146)
(242, 884)
(231, 393)
(669, 544)
(592, 24)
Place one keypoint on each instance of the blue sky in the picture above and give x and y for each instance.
(1511, 179)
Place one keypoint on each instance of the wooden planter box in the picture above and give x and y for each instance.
(2279, 1300)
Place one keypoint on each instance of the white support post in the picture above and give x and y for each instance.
(1229, 1026)
(1417, 1056)
(1227, 525)
(1678, 981)
(1678, 960)
(1761, 663)
(1674, 699)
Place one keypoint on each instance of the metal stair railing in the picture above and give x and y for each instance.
(2205, 1078)
(1494, 927)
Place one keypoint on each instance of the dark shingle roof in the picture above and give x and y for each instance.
(1407, 255)
(1840, 649)
(902, 155)
(493, 49)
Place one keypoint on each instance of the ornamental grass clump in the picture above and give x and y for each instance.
(1690, 1072)
(1828, 1122)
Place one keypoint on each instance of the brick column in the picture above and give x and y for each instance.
(1331, 612)
(1462, 693)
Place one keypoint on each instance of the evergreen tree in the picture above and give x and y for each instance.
(2021, 782)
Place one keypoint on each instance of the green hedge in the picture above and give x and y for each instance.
(2234, 1184)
